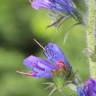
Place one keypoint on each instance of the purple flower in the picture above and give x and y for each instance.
(55, 64)
(89, 89)
(56, 56)
(55, 5)
(61, 9)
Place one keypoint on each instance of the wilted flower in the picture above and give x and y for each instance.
(56, 65)
(89, 89)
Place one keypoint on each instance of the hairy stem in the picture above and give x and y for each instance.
(90, 36)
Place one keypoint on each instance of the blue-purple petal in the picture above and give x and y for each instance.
(36, 4)
(36, 63)
(54, 53)
(56, 5)
(80, 91)
(90, 87)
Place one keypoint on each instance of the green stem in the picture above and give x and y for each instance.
(90, 36)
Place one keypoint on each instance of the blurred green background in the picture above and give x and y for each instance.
(19, 24)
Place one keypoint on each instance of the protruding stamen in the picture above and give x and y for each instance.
(24, 73)
(39, 44)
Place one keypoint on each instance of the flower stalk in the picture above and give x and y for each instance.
(90, 36)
